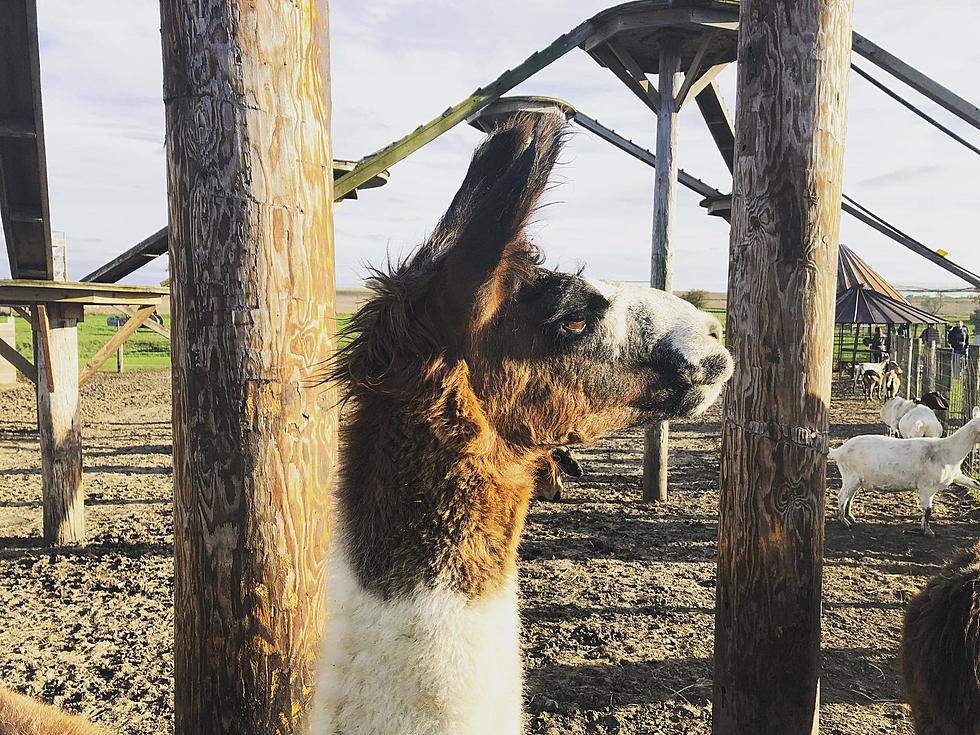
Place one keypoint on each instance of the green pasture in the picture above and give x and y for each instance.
(145, 350)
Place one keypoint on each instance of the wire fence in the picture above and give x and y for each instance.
(927, 367)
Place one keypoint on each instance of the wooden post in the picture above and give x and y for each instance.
(790, 130)
(913, 380)
(929, 367)
(246, 90)
(661, 267)
(120, 359)
(59, 423)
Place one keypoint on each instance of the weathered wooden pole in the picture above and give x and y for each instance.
(59, 423)
(246, 89)
(794, 58)
(661, 258)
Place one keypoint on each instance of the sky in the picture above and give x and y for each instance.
(396, 64)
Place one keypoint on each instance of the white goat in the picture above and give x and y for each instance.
(926, 465)
(892, 412)
(896, 408)
(920, 421)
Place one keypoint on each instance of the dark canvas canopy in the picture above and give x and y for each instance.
(853, 271)
(862, 305)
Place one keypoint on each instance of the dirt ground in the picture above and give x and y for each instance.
(618, 594)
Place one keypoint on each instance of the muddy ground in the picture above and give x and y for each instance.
(618, 594)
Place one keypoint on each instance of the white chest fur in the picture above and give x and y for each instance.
(432, 663)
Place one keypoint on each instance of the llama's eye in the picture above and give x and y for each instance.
(575, 326)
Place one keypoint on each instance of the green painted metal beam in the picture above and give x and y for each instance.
(387, 157)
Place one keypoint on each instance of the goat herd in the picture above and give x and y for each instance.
(468, 371)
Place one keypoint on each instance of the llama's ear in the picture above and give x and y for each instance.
(976, 412)
(485, 248)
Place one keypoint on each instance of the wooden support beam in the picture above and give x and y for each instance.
(719, 122)
(918, 81)
(781, 297)
(698, 85)
(629, 72)
(25, 291)
(24, 210)
(42, 343)
(694, 70)
(133, 259)
(149, 323)
(16, 130)
(661, 258)
(117, 340)
(253, 288)
(59, 426)
(23, 365)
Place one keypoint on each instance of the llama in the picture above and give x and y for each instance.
(20, 715)
(469, 365)
(941, 649)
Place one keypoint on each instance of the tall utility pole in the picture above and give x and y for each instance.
(246, 88)
(794, 58)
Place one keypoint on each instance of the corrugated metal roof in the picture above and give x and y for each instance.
(861, 305)
(852, 271)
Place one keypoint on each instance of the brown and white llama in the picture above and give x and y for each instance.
(941, 649)
(469, 365)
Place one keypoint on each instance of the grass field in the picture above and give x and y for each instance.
(145, 350)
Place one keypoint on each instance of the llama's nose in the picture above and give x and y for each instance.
(714, 369)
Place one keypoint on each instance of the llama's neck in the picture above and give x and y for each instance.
(426, 500)
(422, 632)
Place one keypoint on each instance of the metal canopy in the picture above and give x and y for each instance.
(853, 271)
(861, 305)
(23, 170)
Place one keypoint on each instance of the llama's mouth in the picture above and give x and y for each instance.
(685, 401)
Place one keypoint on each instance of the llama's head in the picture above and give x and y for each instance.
(533, 357)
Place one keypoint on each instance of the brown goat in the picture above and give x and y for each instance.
(941, 649)
(548, 484)
(20, 715)
(467, 368)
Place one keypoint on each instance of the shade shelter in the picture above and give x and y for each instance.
(862, 306)
(853, 271)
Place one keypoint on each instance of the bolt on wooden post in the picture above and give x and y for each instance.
(661, 258)
(794, 59)
(246, 90)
